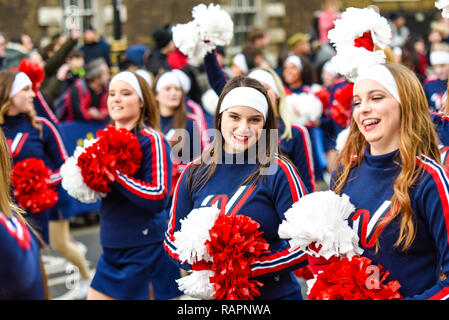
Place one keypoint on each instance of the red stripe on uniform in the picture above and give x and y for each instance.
(308, 156)
(443, 294)
(441, 190)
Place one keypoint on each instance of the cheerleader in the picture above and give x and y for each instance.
(403, 218)
(294, 139)
(20, 267)
(35, 137)
(176, 123)
(230, 176)
(131, 223)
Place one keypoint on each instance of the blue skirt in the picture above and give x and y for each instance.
(126, 273)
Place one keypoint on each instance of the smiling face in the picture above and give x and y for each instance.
(291, 73)
(124, 105)
(241, 128)
(377, 115)
(22, 101)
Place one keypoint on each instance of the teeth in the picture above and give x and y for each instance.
(370, 121)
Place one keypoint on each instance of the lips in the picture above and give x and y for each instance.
(370, 124)
(241, 139)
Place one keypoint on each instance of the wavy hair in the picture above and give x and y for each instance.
(417, 137)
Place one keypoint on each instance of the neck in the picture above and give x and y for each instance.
(129, 125)
(166, 111)
(296, 84)
(377, 149)
(12, 112)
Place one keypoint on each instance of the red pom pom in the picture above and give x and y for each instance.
(116, 149)
(354, 279)
(32, 186)
(341, 106)
(234, 246)
(34, 71)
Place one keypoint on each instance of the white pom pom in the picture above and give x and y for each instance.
(321, 218)
(350, 59)
(72, 180)
(215, 24)
(354, 22)
(197, 285)
(443, 5)
(209, 100)
(304, 107)
(194, 232)
(187, 39)
(341, 139)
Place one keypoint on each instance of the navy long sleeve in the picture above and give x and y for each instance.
(418, 268)
(132, 213)
(20, 273)
(266, 203)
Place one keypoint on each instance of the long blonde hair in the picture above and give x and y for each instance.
(6, 80)
(417, 137)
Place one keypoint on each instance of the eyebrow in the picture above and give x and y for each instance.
(252, 116)
(373, 91)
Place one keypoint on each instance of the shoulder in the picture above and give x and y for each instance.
(433, 173)
(149, 136)
(430, 80)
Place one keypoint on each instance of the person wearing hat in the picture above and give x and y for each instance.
(95, 46)
(299, 45)
(163, 45)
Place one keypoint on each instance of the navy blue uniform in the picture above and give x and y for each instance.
(418, 268)
(20, 272)
(435, 90)
(266, 203)
(132, 225)
(26, 141)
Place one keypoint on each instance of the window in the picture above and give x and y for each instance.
(79, 11)
(244, 14)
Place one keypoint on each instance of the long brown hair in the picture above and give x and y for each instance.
(6, 80)
(417, 137)
(203, 170)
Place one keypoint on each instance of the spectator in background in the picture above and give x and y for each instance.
(136, 53)
(2, 51)
(331, 12)
(259, 38)
(95, 46)
(86, 99)
(399, 30)
(16, 49)
(157, 61)
(300, 46)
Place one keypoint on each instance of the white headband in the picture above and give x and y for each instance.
(20, 81)
(382, 75)
(245, 96)
(295, 60)
(439, 57)
(166, 79)
(130, 79)
(146, 75)
(184, 80)
(265, 77)
(240, 61)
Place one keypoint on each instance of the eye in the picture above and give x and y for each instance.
(234, 117)
(377, 97)
(355, 104)
(255, 120)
